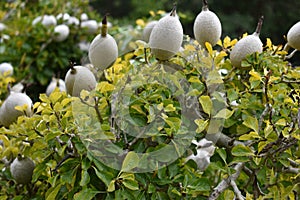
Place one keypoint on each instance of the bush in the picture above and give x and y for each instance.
(132, 137)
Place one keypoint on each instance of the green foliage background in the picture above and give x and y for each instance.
(256, 110)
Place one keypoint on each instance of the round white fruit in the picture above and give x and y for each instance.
(46, 20)
(148, 29)
(2, 27)
(73, 21)
(6, 69)
(166, 37)
(8, 113)
(84, 17)
(56, 83)
(91, 26)
(63, 16)
(103, 51)
(293, 36)
(61, 32)
(22, 169)
(207, 28)
(245, 46)
(79, 78)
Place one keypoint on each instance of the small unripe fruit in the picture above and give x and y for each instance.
(148, 29)
(61, 32)
(6, 69)
(207, 27)
(84, 17)
(103, 50)
(73, 21)
(55, 83)
(293, 36)
(2, 27)
(166, 36)
(91, 26)
(22, 169)
(63, 16)
(46, 20)
(8, 113)
(246, 46)
(79, 78)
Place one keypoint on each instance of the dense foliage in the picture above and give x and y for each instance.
(131, 136)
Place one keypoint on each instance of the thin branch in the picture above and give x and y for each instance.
(224, 184)
(237, 191)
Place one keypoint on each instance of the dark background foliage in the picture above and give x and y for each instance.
(237, 17)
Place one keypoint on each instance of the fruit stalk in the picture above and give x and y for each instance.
(173, 11)
(104, 26)
(259, 25)
(205, 5)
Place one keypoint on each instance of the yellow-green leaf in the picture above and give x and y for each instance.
(111, 186)
(170, 108)
(224, 114)
(255, 76)
(105, 86)
(209, 48)
(202, 124)
(206, 104)
(131, 161)
(241, 150)
(281, 122)
(250, 136)
(251, 123)
(220, 57)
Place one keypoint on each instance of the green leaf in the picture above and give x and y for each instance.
(222, 154)
(224, 114)
(131, 161)
(85, 178)
(214, 78)
(228, 194)
(251, 123)
(241, 150)
(206, 104)
(104, 176)
(111, 186)
(53, 193)
(131, 184)
(86, 194)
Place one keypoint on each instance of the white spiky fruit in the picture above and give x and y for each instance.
(103, 50)
(207, 27)
(8, 113)
(79, 78)
(55, 83)
(91, 26)
(61, 32)
(148, 29)
(246, 46)
(6, 69)
(22, 170)
(293, 36)
(166, 37)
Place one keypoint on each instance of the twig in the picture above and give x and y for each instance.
(237, 191)
(224, 184)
